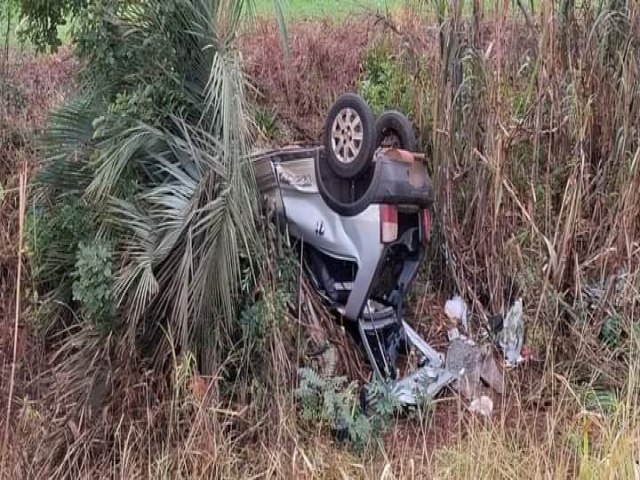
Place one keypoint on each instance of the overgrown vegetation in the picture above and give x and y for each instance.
(168, 322)
(386, 84)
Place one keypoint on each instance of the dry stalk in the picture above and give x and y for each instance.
(5, 60)
(23, 197)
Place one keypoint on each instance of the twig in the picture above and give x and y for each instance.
(23, 196)
(5, 60)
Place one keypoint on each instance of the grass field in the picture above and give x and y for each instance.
(329, 9)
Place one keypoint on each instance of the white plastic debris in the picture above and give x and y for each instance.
(482, 406)
(512, 335)
(456, 309)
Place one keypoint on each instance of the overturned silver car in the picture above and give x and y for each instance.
(361, 209)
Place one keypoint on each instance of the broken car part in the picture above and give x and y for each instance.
(511, 337)
(471, 365)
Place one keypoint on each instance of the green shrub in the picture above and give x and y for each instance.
(385, 83)
(260, 318)
(52, 236)
(93, 283)
(329, 400)
(267, 123)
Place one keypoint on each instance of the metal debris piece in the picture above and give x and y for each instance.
(424, 383)
(432, 357)
(453, 333)
(471, 363)
(482, 405)
(512, 335)
(464, 360)
(490, 373)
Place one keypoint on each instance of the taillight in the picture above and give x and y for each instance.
(388, 223)
(426, 224)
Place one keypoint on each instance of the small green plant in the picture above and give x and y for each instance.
(385, 84)
(330, 400)
(599, 400)
(267, 123)
(611, 331)
(93, 285)
(260, 318)
(52, 236)
(324, 398)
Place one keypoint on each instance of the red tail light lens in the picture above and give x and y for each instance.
(388, 223)
(426, 225)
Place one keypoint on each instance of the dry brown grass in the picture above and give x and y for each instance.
(32, 86)
(325, 60)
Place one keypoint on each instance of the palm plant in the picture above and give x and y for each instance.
(156, 148)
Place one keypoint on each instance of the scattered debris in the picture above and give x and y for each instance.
(482, 405)
(490, 373)
(456, 309)
(512, 335)
(472, 363)
(426, 382)
(593, 293)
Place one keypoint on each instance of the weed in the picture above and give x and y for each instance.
(259, 319)
(93, 283)
(267, 123)
(333, 401)
(385, 84)
(52, 238)
(610, 332)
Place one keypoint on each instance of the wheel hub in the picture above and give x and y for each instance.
(346, 135)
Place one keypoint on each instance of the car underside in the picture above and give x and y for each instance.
(362, 237)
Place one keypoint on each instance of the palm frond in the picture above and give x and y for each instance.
(168, 170)
(67, 145)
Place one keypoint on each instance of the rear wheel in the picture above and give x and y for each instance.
(349, 136)
(393, 129)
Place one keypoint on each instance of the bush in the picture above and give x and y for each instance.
(93, 285)
(385, 83)
(52, 237)
(329, 400)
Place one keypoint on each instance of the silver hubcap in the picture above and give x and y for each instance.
(346, 135)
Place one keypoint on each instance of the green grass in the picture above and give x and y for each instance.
(340, 9)
(329, 9)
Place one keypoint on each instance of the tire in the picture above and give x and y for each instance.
(394, 123)
(349, 136)
(343, 196)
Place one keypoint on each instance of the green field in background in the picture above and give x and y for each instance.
(314, 9)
